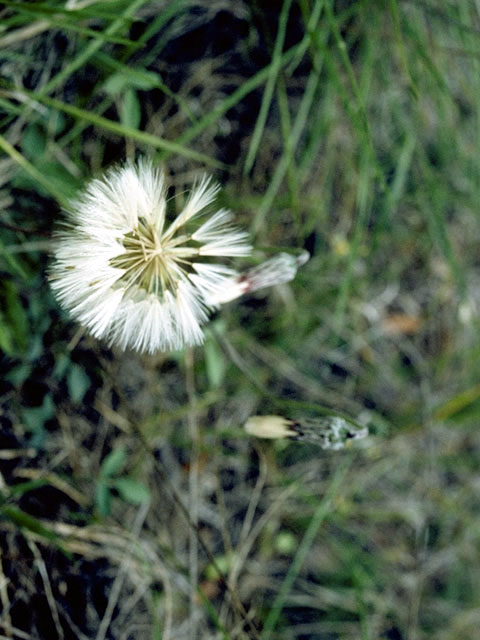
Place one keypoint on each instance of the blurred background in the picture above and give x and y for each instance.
(348, 128)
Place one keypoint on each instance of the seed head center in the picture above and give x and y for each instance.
(151, 261)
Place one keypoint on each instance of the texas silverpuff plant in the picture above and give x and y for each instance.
(138, 281)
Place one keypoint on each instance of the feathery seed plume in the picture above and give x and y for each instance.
(141, 282)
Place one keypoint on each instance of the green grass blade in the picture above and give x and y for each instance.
(397, 189)
(435, 211)
(213, 615)
(126, 132)
(269, 87)
(170, 12)
(247, 87)
(42, 9)
(28, 522)
(401, 46)
(32, 171)
(311, 532)
(137, 76)
(311, 20)
(12, 262)
(91, 48)
(364, 191)
(288, 147)
(282, 166)
(342, 49)
(64, 21)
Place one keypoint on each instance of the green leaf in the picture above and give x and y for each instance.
(78, 383)
(35, 347)
(38, 176)
(59, 180)
(215, 363)
(26, 521)
(13, 263)
(19, 374)
(144, 80)
(62, 364)
(113, 462)
(103, 499)
(116, 83)
(36, 417)
(33, 142)
(127, 77)
(6, 342)
(132, 491)
(109, 125)
(15, 314)
(130, 113)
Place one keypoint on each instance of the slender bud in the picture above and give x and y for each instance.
(329, 432)
(270, 427)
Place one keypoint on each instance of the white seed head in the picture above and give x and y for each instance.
(134, 279)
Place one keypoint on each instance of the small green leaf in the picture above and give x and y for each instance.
(15, 265)
(78, 383)
(62, 364)
(116, 83)
(31, 173)
(113, 462)
(144, 80)
(132, 491)
(6, 342)
(103, 498)
(215, 364)
(35, 348)
(15, 315)
(35, 417)
(57, 122)
(63, 180)
(12, 320)
(130, 113)
(33, 142)
(133, 78)
(19, 374)
(30, 182)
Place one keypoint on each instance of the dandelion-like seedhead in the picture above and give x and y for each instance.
(139, 281)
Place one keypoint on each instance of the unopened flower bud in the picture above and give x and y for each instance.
(329, 432)
(270, 427)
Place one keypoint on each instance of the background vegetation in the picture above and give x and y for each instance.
(349, 128)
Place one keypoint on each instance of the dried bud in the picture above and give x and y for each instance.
(329, 432)
(270, 427)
